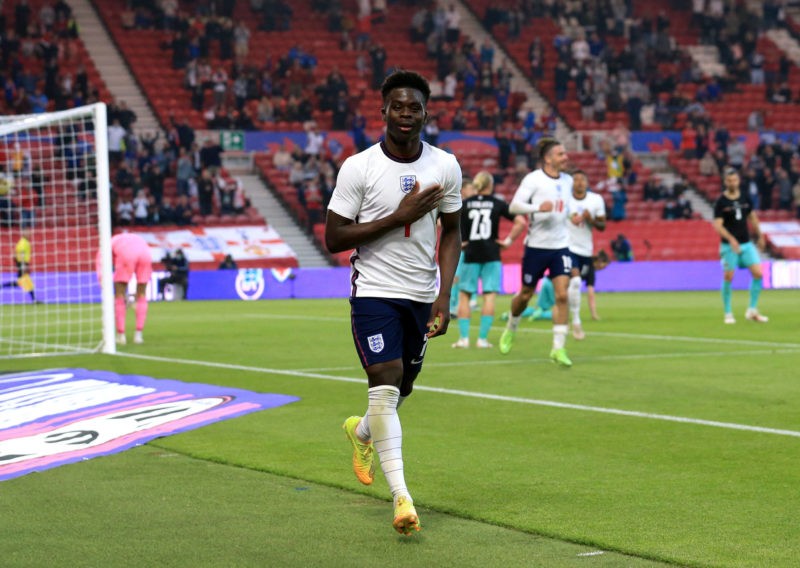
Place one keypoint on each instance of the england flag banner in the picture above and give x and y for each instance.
(211, 244)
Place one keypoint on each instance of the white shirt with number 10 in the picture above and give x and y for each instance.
(546, 230)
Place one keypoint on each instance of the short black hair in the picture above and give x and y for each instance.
(544, 145)
(409, 79)
(577, 171)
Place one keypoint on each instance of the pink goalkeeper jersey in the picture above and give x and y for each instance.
(130, 254)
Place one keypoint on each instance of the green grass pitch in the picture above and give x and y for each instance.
(674, 440)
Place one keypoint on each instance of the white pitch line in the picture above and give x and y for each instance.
(641, 356)
(621, 335)
(480, 395)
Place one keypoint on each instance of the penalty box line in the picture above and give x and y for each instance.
(480, 395)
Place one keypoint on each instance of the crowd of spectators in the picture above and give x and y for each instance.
(40, 67)
(641, 79)
(238, 93)
(202, 185)
(41, 70)
(311, 170)
(770, 173)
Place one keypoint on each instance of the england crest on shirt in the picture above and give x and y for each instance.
(407, 183)
(375, 343)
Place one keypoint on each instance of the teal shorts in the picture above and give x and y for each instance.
(748, 256)
(489, 273)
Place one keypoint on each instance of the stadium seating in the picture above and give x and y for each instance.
(72, 54)
(148, 58)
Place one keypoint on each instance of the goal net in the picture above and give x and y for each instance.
(55, 215)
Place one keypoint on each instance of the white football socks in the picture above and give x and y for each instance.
(387, 436)
(559, 336)
(513, 322)
(362, 430)
(574, 298)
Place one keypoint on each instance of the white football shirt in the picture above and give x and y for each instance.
(370, 186)
(580, 236)
(547, 230)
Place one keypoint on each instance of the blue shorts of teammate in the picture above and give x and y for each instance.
(385, 329)
(748, 256)
(489, 273)
(536, 261)
(584, 265)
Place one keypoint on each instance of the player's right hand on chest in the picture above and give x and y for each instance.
(419, 203)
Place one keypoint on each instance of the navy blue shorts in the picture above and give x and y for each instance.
(585, 265)
(385, 329)
(589, 277)
(536, 261)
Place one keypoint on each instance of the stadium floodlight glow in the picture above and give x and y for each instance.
(55, 188)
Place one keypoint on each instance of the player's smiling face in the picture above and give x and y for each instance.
(404, 114)
(579, 185)
(559, 158)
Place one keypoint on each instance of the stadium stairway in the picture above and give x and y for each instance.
(112, 66)
(789, 45)
(308, 255)
(707, 58)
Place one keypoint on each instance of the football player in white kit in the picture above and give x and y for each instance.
(386, 204)
(543, 195)
(587, 211)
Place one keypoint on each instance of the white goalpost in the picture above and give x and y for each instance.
(55, 215)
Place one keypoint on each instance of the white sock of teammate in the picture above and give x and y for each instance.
(362, 430)
(559, 336)
(574, 298)
(513, 322)
(387, 436)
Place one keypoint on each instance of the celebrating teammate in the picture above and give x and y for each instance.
(130, 255)
(480, 223)
(385, 205)
(22, 260)
(543, 195)
(587, 211)
(732, 211)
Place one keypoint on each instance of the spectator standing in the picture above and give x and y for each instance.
(796, 194)
(784, 189)
(178, 267)
(241, 40)
(227, 263)
(619, 198)
(116, 144)
(621, 247)
(205, 191)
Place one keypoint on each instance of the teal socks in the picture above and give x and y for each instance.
(726, 296)
(463, 327)
(486, 325)
(755, 291)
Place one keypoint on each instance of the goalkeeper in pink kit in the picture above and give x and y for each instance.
(130, 254)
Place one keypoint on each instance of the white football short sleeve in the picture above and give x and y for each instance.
(348, 194)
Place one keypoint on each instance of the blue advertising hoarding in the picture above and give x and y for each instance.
(251, 284)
